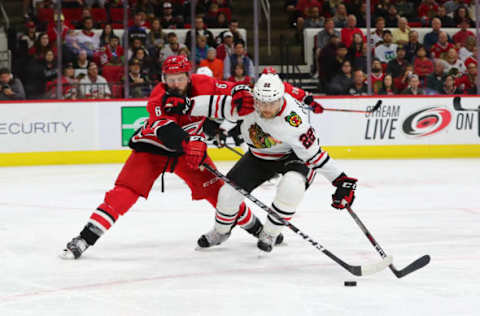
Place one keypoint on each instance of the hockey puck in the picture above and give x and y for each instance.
(350, 283)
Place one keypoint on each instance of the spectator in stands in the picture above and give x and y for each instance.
(355, 50)
(449, 86)
(225, 49)
(87, 38)
(211, 16)
(377, 76)
(453, 65)
(388, 88)
(106, 35)
(69, 85)
(314, 20)
(387, 50)
(94, 86)
(396, 67)
(41, 46)
(239, 75)
(381, 8)
(134, 45)
(171, 49)
(446, 20)
(401, 82)
(441, 47)
(49, 67)
(145, 6)
(342, 80)
(391, 19)
(427, 11)
(10, 88)
(327, 61)
(461, 36)
(147, 67)
(350, 30)
(434, 81)
(358, 86)
(85, 14)
(340, 17)
(52, 28)
(138, 29)
(201, 49)
(422, 65)
(468, 50)
(138, 82)
(113, 49)
(413, 86)
(431, 38)
(400, 34)
(27, 39)
(232, 29)
(168, 21)
(303, 7)
(377, 35)
(461, 14)
(213, 63)
(324, 35)
(156, 38)
(239, 56)
(412, 46)
(222, 21)
(452, 5)
(468, 81)
(200, 29)
(81, 63)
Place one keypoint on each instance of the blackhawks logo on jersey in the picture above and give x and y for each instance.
(261, 139)
(293, 119)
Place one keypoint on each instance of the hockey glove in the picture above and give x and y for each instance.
(345, 192)
(316, 107)
(242, 99)
(173, 104)
(196, 152)
(236, 134)
(213, 130)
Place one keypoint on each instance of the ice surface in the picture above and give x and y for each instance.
(146, 264)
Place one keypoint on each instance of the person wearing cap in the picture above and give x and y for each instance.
(52, 28)
(232, 30)
(168, 20)
(69, 84)
(387, 50)
(468, 81)
(226, 47)
(212, 62)
(396, 67)
(138, 29)
(27, 39)
(10, 88)
(139, 83)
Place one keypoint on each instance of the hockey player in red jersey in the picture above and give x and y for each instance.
(166, 143)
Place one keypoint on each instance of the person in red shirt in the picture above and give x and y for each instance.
(441, 47)
(422, 65)
(467, 82)
(461, 36)
(170, 141)
(427, 10)
(347, 32)
(239, 76)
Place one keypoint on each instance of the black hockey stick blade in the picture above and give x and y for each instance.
(376, 107)
(457, 105)
(412, 267)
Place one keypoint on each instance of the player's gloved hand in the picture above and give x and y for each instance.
(173, 104)
(242, 99)
(315, 106)
(196, 152)
(236, 134)
(213, 130)
(345, 192)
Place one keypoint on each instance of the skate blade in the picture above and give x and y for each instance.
(66, 255)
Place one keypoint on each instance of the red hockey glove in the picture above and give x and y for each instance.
(315, 106)
(345, 192)
(242, 99)
(196, 152)
(173, 104)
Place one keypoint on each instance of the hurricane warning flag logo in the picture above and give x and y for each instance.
(427, 122)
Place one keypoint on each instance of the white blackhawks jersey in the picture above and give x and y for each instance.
(275, 138)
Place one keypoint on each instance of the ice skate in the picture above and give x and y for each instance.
(74, 248)
(257, 228)
(266, 241)
(212, 238)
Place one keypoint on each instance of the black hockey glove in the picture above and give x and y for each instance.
(212, 129)
(345, 192)
(174, 104)
(236, 134)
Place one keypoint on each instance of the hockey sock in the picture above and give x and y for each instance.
(248, 221)
(272, 225)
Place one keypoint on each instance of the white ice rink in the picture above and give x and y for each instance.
(147, 263)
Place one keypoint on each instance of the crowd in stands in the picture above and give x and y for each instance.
(94, 62)
(401, 64)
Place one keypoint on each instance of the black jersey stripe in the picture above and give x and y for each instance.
(223, 106)
(210, 106)
(104, 212)
(322, 164)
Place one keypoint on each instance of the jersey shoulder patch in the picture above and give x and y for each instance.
(293, 119)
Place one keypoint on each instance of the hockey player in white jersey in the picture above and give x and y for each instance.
(280, 141)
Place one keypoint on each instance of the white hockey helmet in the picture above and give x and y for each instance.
(205, 71)
(269, 88)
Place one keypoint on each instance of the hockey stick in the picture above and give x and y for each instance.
(417, 264)
(356, 270)
(376, 107)
(231, 149)
(458, 106)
